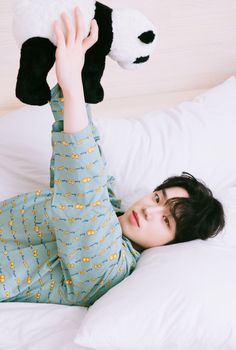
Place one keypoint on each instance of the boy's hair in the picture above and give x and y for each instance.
(200, 216)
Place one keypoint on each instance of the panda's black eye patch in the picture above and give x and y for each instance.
(147, 37)
(141, 59)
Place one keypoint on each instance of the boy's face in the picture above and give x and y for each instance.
(154, 225)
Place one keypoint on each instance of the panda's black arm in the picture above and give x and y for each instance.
(95, 57)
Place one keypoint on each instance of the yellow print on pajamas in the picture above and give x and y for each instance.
(64, 244)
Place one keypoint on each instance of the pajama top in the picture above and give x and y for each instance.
(64, 245)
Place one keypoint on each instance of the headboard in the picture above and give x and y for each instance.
(196, 50)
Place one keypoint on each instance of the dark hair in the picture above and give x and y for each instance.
(200, 216)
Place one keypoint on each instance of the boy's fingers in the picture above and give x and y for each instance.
(70, 31)
(79, 24)
(93, 36)
(59, 34)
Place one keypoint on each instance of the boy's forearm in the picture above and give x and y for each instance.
(75, 114)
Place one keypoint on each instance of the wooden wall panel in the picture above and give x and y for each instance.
(196, 50)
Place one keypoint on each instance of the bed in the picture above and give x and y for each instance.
(176, 114)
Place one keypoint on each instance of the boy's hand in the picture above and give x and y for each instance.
(71, 49)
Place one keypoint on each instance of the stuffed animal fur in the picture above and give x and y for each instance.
(126, 35)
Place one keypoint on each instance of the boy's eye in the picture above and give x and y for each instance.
(157, 198)
(166, 220)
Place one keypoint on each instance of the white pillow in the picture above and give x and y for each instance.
(25, 150)
(196, 136)
(180, 297)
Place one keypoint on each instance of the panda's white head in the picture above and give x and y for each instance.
(134, 38)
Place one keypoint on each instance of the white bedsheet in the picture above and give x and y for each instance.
(28, 326)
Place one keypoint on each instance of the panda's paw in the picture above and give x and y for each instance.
(94, 95)
(37, 58)
(33, 94)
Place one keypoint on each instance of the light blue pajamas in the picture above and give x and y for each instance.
(64, 245)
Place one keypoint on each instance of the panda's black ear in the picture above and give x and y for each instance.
(147, 37)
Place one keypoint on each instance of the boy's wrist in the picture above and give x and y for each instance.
(76, 95)
(74, 90)
(75, 114)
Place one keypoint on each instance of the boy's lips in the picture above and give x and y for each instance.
(132, 219)
(136, 217)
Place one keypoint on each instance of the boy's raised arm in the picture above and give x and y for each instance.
(71, 49)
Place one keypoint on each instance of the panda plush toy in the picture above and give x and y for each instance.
(125, 35)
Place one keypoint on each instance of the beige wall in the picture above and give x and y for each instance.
(196, 50)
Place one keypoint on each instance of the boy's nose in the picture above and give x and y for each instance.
(150, 211)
